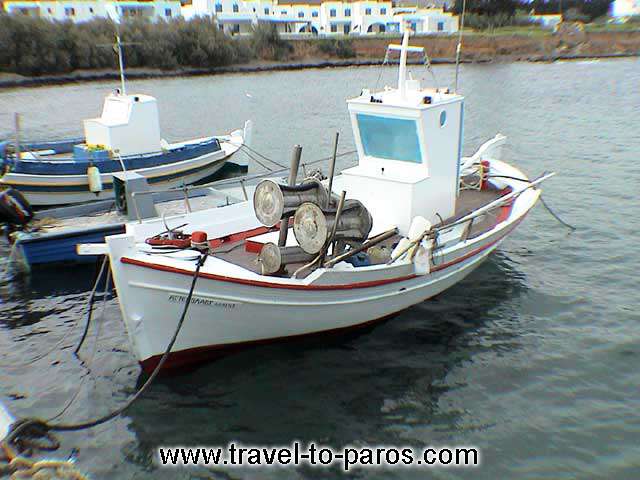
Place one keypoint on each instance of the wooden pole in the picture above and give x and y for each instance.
(17, 127)
(368, 244)
(332, 167)
(293, 174)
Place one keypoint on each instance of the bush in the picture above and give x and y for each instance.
(33, 46)
(268, 45)
(338, 48)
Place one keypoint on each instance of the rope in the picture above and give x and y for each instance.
(544, 204)
(42, 427)
(65, 336)
(556, 216)
(92, 297)
(93, 352)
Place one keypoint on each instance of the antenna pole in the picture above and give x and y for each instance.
(120, 61)
(459, 47)
(402, 73)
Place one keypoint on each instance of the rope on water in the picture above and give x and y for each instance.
(544, 204)
(32, 428)
(56, 346)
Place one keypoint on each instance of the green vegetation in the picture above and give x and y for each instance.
(32, 46)
(268, 45)
(336, 48)
(491, 14)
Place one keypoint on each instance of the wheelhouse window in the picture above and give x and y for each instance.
(389, 138)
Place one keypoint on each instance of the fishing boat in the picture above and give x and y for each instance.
(326, 255)
(126, 137)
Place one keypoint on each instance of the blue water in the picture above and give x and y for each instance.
(535, 358)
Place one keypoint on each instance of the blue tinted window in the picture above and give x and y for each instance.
(389, 138)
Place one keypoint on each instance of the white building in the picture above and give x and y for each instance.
(333, 17)
(625, 8)
(84, 10)
(426, 20)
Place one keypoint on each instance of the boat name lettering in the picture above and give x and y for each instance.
(202, 301)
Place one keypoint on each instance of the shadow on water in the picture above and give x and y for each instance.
(339, 390)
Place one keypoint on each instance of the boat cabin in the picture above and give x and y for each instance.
(129, 124)
(409, 145)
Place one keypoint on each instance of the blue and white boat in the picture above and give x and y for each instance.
(126, 137)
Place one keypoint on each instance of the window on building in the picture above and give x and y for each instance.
(332, 12)
(218, 7)
(367, 11)
(167, 12)
(235, 28)
(347, 12)
(300, 14)
(283, 12)
(90, 9)
(254, 9)
(49, 10)
(389, 138)
(383, 11)
(266, 11)
(314, 14)
(70, 11)
(334, 27)
(235, 7)
(383, 28)
(347, 29)
(440, 26)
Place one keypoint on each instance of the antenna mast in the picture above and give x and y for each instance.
(120, 60)
(459, 47)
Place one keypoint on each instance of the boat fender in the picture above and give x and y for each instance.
(95, 182)
(199, 241)
(419, 225)
(14, 208)
(422, 258)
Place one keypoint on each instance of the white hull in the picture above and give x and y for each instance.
(202, 167)
(230, 308)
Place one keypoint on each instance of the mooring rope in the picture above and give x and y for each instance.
(544, 204)
(35, 427)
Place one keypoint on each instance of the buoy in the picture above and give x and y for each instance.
(95, 182)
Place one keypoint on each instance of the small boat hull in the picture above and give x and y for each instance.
(51, 189)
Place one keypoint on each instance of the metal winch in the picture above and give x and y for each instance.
(313, 226)
(273, 201)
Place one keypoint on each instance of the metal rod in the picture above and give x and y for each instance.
(293, 174)
(186, 198)
(244, 190)
(17, 127)
(332, 167)
(120, 61)
(334, 229)
(366, 245)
